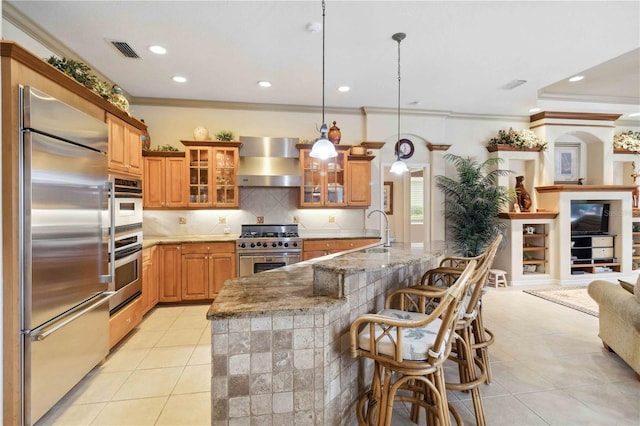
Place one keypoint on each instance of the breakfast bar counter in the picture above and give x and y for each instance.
(280, 339)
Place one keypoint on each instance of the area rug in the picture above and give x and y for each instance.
(575, 297)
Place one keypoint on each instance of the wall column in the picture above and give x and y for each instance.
(437, 221)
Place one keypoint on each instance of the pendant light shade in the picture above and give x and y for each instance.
(398, 166)
(322, 147)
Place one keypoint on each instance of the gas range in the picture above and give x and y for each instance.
(269, 239)
(264, 247)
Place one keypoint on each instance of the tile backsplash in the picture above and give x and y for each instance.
(274, 205)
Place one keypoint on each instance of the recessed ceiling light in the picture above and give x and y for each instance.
(264, 83)
(576, 78)
(179, 79)
(534, 110)
(158, 50)
(344, 88)
(635, 114)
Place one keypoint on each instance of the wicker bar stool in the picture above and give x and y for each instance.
(408, 349)
(471, 366)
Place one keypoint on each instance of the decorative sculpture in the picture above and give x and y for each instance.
(523, 197)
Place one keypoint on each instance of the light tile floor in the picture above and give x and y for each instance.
(549, 368)
(158, 375)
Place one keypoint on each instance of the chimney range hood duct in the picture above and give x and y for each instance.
(269, 162)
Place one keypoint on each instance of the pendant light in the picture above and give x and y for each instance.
(322, 147)
(398, 167)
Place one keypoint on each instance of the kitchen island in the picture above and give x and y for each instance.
(280, 339)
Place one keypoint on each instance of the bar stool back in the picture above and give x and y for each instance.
(408, 349)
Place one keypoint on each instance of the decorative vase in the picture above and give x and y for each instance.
(200, 133)
(334, 134)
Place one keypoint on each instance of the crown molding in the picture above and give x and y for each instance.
(246, 106)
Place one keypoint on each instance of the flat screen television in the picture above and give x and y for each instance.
(589, 217)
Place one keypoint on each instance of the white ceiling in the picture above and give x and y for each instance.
(456, 57)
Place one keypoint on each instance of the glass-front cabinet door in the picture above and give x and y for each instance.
(211, 174)
(312, 180)
(199, 176)
(226, 188)
(323, 181)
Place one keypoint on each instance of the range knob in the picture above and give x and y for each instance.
(259, 244)
(295, 244)
(242, 245)
(273, 244)
(253, 245)
(286, 244)
(279, 243)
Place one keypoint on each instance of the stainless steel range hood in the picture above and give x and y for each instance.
(268, 162)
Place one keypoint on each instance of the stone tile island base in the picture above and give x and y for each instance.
(280, 351)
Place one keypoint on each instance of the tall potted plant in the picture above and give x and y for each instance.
(472, 203)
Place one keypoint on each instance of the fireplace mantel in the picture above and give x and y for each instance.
(585, 188)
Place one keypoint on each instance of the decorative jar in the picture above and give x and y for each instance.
(334, 134)
(200, 133)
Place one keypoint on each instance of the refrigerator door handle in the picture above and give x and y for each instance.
(40, 335)
(112, 235)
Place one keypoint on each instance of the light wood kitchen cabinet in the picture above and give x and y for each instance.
(359, 182)
(169, 272)
(149, 279)
(211, 174)
(317, 248)
(164, 180)
(205, 267)
(224, 268)
(323, 181)
(125, 147)
(343, 181)
(125, 320)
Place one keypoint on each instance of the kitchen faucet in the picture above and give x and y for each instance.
(387, 242)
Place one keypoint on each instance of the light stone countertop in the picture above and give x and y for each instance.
(289, 290)
(151, 240)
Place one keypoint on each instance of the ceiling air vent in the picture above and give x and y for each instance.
(124, 48)
(513, 84)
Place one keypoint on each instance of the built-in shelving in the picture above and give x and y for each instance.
(528, 253)
(593, 254)
(534, 248)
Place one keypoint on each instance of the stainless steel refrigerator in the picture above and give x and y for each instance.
(65, 226)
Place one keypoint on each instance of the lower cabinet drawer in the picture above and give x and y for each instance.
(598, 253)
(125, 320)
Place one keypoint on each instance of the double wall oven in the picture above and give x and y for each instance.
(125, 249)
(264, 247)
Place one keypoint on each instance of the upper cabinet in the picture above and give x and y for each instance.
(343, 181)
(323, 181)
(211, 171)
(359, 181)
(125, 147)
(164, 180)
